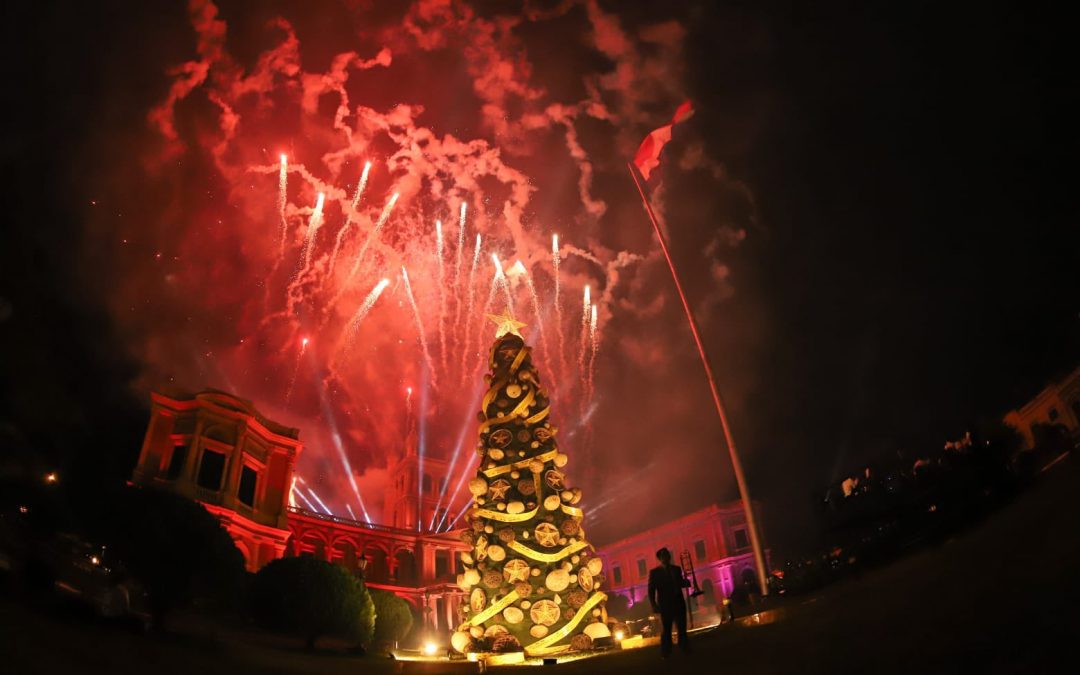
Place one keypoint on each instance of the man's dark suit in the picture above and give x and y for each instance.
(665, 593)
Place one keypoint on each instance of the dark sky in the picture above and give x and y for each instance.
(912, 266)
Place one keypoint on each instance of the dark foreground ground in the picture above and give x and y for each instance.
(1002, 598)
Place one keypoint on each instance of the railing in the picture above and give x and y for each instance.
(347, 521)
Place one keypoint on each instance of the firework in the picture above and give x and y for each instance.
(383, 217)
(501, 280)
(362, 311)
(442, 291)
(314, 224)
(350, 217)
(469, 313)
(296, 369)
(419, 329)
(283, 183)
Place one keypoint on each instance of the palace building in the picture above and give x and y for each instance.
(218, 450)
(716, 538)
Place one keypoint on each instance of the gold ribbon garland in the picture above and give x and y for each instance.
(538, 556)
(520, 464)
(543, 645)
(513, 414)
(494, 609)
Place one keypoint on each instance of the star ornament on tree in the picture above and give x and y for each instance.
(504, 323)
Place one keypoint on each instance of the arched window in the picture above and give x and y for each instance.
(406, 567)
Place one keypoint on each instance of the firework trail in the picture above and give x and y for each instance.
(283, 184)
(420, 329)
(354, 324)
(442, 291)
(500, 277)
(536, 311)
(555, 260)
(349, 217)
(348, 507)
(292, 493)
(457, 264)
(313, 227)
(586, 310)
(469, 313)
(383, 217)
(296, 369)
(594, 345)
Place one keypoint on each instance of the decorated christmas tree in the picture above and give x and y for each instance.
(532, 579)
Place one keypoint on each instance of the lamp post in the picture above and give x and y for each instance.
(362, 564)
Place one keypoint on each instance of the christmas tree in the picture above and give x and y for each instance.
(532, 579)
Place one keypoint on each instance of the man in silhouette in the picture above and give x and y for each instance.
(665, 594)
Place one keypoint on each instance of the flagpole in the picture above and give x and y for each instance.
(736, 464)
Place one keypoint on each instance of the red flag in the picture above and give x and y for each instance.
(648, 153)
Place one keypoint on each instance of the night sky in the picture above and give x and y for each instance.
(874, 219)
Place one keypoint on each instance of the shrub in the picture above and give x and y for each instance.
(312, 598)
(393, 617)
(172, 545)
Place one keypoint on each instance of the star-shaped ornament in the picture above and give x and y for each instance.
(504, 323)
(498, 489)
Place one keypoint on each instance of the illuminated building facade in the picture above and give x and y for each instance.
(1058, 403)
(717, 538)
(218, 450)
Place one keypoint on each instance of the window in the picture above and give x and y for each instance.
(210, 470)
(442, 564)
(741, 539)
(699, 550)
(248, 480)
(176, 462)
(1053, 414)
(641, 569)
(616, 573)
(427, 483)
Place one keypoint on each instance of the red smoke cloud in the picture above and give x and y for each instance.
(450, 106)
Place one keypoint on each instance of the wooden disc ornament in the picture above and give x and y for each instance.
(569, 527)
(460, 641)
(581, 642)
(516, 571)
(546, 534)
(513, 390)
(507, 535)
(513, 615)
(500, 438)
(526, 487)
(552, 502)
(557, 580)
(496, 553)
(538, 631)
(555, 479)
(523, 588)
(594, 565)
(544, 612)
(585, 579)
(478, 600)
(478, 486)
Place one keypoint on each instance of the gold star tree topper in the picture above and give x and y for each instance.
(504, 323)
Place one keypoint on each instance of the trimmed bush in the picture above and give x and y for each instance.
(172, 545)
(393, 617)
(311, 598)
